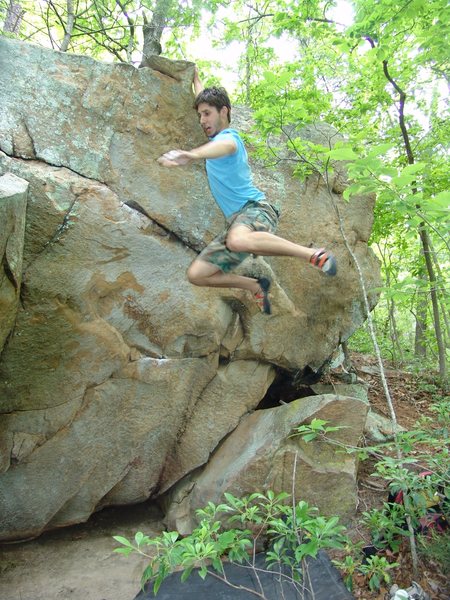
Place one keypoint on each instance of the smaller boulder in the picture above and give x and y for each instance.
(263, 453)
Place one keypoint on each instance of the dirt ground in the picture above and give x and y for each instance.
(78, 563)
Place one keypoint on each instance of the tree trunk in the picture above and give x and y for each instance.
(434, 302)
(69, 26)
(153, 31)
(13, 19)
(420, 347)
(393, 330)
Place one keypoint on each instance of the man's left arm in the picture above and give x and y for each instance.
(197, 82)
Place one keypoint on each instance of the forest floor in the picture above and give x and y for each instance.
(78, 563)
(412, 397)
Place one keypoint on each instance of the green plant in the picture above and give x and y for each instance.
(386, 526)
(293, 533)
(436, 547)
(348, 566)
(442, 409)
(318, 428)
(376, 569)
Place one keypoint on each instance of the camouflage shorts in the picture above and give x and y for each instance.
(258, 216)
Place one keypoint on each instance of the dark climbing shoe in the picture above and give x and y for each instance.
(262, 297)
(325, 261)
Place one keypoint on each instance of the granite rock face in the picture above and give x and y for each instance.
(117, 377)
(13, 205)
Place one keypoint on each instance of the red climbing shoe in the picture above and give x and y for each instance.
(325, 261)
(262, 297)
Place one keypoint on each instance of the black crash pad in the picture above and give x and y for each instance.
(323, 580)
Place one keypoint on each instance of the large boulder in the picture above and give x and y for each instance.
(119, 377)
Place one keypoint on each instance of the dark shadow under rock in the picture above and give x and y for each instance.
(321, 582)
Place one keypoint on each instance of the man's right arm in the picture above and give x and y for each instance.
(213, 149)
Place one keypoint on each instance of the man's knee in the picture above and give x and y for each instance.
(193, 275)
(199, 271)
(238, 242)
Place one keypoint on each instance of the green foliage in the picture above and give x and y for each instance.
(381, 83)
(295, 532)
(417, 465)
(107, 29)
(436, 547)
(386, 526)
(376, 569)
(318, 428)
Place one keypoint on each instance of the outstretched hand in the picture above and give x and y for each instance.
(175, 158)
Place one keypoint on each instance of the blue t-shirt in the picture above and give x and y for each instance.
(230, 177)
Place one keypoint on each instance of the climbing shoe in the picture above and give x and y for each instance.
(262, 297)
(325, 261)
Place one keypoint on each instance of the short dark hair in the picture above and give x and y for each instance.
(214, 96)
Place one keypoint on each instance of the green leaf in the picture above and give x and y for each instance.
(342, 154)
(217, 564)
(125, 551)
(226, 538)
(157, 585)
(122, 540)
(186, 573)
(413, 169)
(442, 200)
(147, 575)
(380, 149)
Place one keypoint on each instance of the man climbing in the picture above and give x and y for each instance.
(251, 220)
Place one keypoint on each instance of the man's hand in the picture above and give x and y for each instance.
(213, 149)
(176, 158)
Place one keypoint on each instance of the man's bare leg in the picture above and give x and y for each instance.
(262, 243)
(203, 273)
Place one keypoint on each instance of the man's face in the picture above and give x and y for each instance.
(211, 119)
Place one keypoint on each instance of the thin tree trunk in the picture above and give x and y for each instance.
(13, 19)
(391, 306)
(69, 26)
(393, 330)
(248, 71)
(420, 347)
(434, 301)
